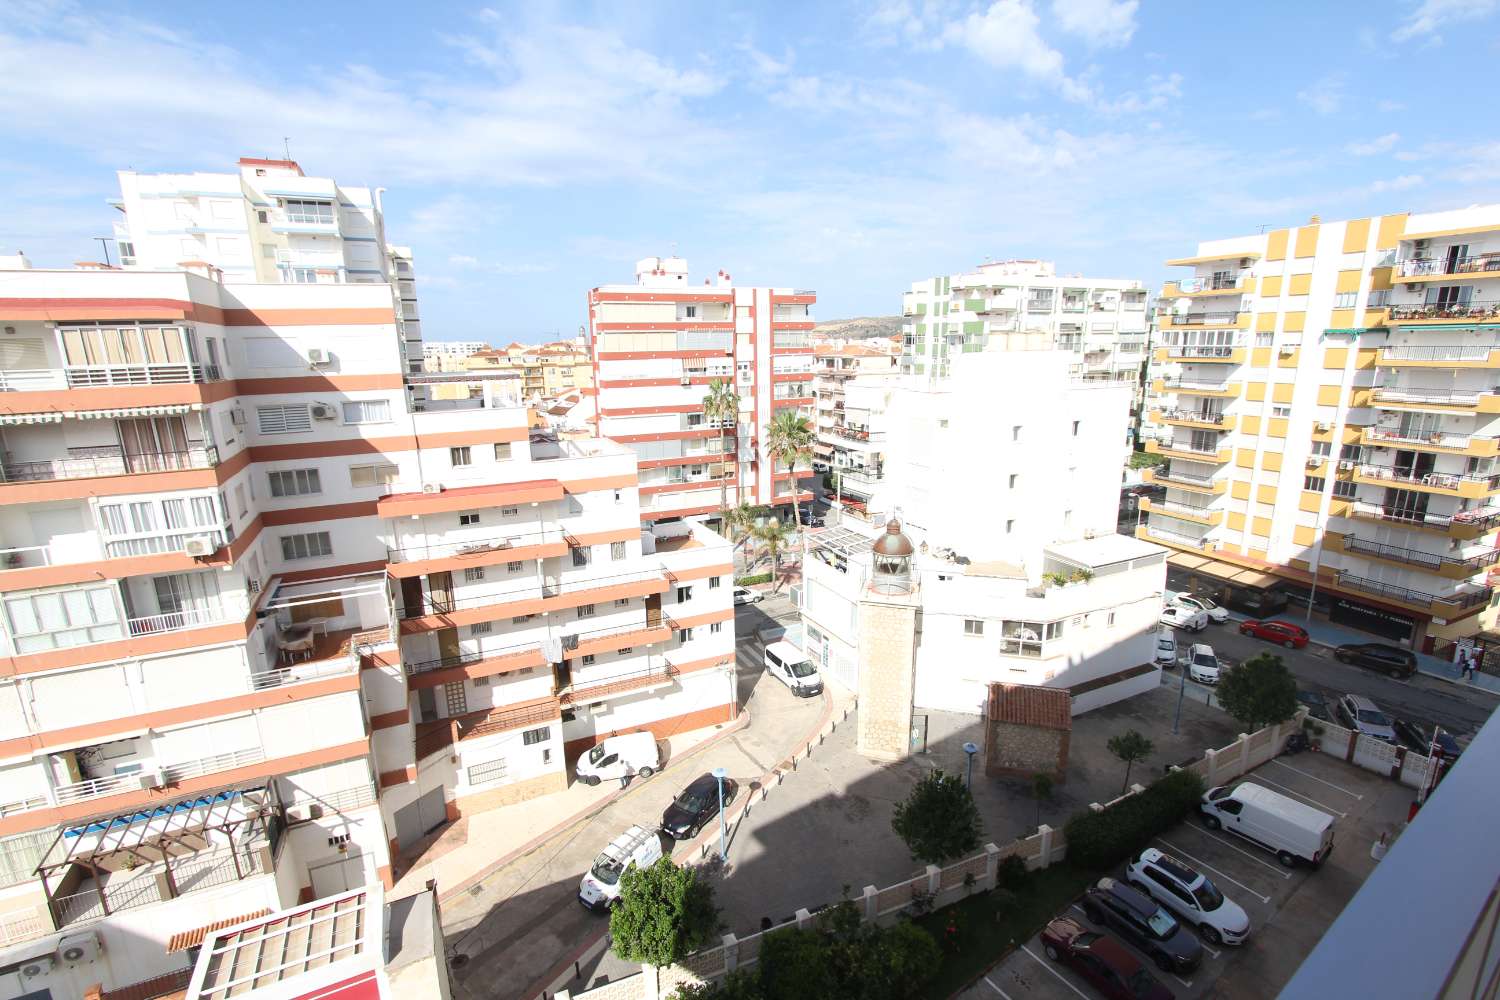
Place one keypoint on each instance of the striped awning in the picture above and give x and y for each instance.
(126, 412)
(191, 939)
(12, 419)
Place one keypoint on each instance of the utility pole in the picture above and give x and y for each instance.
(104, 241)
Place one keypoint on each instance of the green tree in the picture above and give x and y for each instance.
(795, 964)
(774, 536)
(1145, 460)
(722, 407)
(894, 962)
(1130, 746)
(738, 985)
(1259, 692)
(938, 820)
(665, 913)
(1041, 790)
(739, 522)
(789, 439)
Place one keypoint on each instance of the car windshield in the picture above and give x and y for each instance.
(690, 801)
(596, 754)
(1373, 718)
(607, 869)
(1165, 643)
(1205, 660)
(801, 669)
(1206, 602)
(1162, 923)
(1219, 793)
(1208, 896)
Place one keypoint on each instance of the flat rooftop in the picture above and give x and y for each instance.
(1104, 550)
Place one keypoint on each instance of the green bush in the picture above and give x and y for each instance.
(1012, 872)
(750, 581)
(1103, 839)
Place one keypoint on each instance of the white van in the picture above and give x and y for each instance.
(790, 666)
(1294, 831)
(637, 847)
(619, 757)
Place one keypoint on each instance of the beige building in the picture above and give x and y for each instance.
(546, 371)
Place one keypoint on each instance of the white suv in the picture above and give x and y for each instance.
(1198, 602)
(1190, 895)
(1203, 665)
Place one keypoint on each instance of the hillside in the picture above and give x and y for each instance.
(861, 328)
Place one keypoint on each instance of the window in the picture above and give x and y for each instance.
(1010, 525)
(625, 650)
(1014, 479)
(514, 567)
(481, 682)
(619, 496)
(502, 451)
(684, 594)
(1015, 433)
(973, 626)
(715, 628)
(1345, 300)
(458, 457)
(617, 551)
(1320, 449)
(622, 602)
(1379, 298)
(580, 557)
(1076, 424)
(531, 737)
(1110, 622)
(942, 425)
(1281, 411)
(713, 583)
(473, 574)
(1313, 483)
(298, 210)
(520, 620)
(685, 636)
(493, 770)
(480, 628)
(283, 419)
(587, 660)
(509, 511)
(585, 611)
(372, 475)
(308, 546)
(468, 518)
(300, 276)
(1344, 488)
(268, 250)
(294, 483)
(690, 312)
(367, 411)
(239, 500)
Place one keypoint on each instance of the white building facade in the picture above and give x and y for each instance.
(659, 343)
(852, 385)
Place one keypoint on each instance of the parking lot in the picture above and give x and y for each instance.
(1289, 909)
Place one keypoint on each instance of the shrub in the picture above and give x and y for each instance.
(1004, 901)
(665, 913)
(1012, 873)
(1103, 839)
(750, 581)
(938, 821)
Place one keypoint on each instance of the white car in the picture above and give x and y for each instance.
(1190, 895)
(1178, 616)
(1203, 665)
(744, 595)
(1166, 648)
(637, 847)
(1198, 602)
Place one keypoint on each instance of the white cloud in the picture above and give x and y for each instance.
(1325, 95)
(763, 64)
(1007, 36)
(1389, 107)
(1424, 20)
(1159, 92)
(1382, 144)
(1403, 183)
(1100, 23)
(463, 260)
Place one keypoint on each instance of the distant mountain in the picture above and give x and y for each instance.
(861, 328)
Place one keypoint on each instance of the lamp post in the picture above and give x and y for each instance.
(1181, 693)
(720, 774)
(971, 750)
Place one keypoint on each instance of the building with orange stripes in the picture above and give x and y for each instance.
(269, 614)
(658, 344)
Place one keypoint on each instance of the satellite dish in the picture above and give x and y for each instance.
(1181, 306)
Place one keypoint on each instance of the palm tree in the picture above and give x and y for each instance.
(789, 439)
(773, 535)
(739, 522)
(722, 406)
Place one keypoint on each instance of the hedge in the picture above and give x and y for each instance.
(1103, 839)
(750, 581)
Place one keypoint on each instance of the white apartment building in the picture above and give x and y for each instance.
(657, 344)
(1100, 322)
(852, 384)
(268, 223)
(1334, 423)
(268, 614)
(449, 355)
(1005, 479)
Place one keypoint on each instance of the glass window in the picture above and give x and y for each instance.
(367, 411)
(1345, 488)
(502, 451)
(458, 457)
(973, 626)
(306, 546)
(303, 211)
(468, 518)
(372, 475)
(580, 557)
(295, 482)
(617, 551)
(585, 611)
(473, 574)
(514, 566)
(480, 628)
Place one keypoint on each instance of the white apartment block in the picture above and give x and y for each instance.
(852, 385)
(657, 344)
(268, 223)
(449, 355)
(268, 614)
(1334, 418)
(1100, 322)
(1005, 478)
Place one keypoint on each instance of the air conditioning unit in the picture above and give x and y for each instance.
(1313, 461)
(1321, 427)
(687, 380)
(432, 487)
(199, 546)
(79, 948)
(322, 411)
(1287, 350)
(237, 417)
(1421, 246)
(1346, 466)
(317, 356)
(36, 968)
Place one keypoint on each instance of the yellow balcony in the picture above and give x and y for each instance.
(1197, 515)
(1440, 444)
(1202, 355)
(1188, 454)
(1439, 356)
(1445, 484)
(1161, 536)
(1193, 418)
(1445, 566)
(1440, 400)
(1203, 289)
(1464, 601)
(1180, 481)
(1483, 312)
(1208, 321)
(1421, 271)
(1187, 387)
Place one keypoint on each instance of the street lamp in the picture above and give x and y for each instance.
(720, 774)
(1181, 691)
(971, 750)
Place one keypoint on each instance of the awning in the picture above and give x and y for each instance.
(126, 412)
(334, 588)
(191, 939)
(13, 419)
(1228, 572)
(147, 828)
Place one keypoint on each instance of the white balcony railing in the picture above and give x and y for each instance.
(1175, 537)
(300, 672)
(176, 621)
(93, 788)
(1438, 438)
(1449, 397)
(1438, 352)
(176, 773)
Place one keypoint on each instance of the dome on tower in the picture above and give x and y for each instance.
(894, 542)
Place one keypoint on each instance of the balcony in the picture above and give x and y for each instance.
(177, 621)
(1190, 417)
(1232, 320)
(614, 685)
(1206, 516)
(1439, 442)
(861, 434)
(1435, 269)
(1216, 354)
(1463, 525)
(93, 463)
(1440, 565)
(862, 482)
(1450, 399)
(548, 587)
(1204, 287)
(476, 547)
(1192, 387)
(1476, 311)
(1452, 484)
(1441, 356)
(1175, 449)
(573, 643)
(1439, 605)
(1166, 536)
(1167, 476)
(444, 734)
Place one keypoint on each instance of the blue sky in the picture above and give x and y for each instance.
(533, 151)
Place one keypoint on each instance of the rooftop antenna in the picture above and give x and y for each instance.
(286, 147)
(104, 242)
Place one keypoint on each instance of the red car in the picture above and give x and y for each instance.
(1277, 631)
(1101, 960)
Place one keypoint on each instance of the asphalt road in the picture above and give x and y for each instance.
(1421, 699)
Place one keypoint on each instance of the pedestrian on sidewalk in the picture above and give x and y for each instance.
(1472, 667)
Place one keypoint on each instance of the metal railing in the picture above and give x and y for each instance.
(310, 805)
(855, 434)
(17, 806)
(1186, 509)
(1417, 557)
(571, 640)
(176, 773)
(1167, 475)
(474, 546)
(1171, 384)
(1176, 537)
(632, 680)
(1450, 397)
(1439, 439)
(297, 673)
(1182, 447)
(1480, 519)
(142, 886)
(1478, 309)
(1438, 352)
(1419, 266)
(1192, 414)
(1207, 319)
(176, 621)
(32, 379)
(1465, 598)
(1216, 283)
(92, 788)
(1443, 480)
(553, 587)
(80, 376)
(119, 464)
(1200, 350)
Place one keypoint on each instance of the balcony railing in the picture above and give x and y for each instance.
(116, 464)
(552, 587)
(1184, 384)
(1443, 480)
(1479, 520)
(1438, 439)
(1446, 397)
(176, 621)
(1214, 283)
(1417, 557)
(1487, 310)
(1175, 537)
(1464, 598)
(82, 376)
(602, 687)
(1182, 447)
(1185, 509)
(92, 788)
(1168, 476)
(1192, 414)
(176, 773)
(18, 806)
(298, 673)
(1438, 352)
(1200, 350)
(474, 546)
(144, 885)
(1420, 266)
(857, 434)
(1206, 319)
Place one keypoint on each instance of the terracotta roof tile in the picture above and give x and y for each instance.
(1026, 705)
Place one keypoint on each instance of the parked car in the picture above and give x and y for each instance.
(810, 518)
(1399, 663)
(769, 632)
(1365, 717)
(1190, 895)
(790, 666)
(744, 595)
(1317, 705)
(1166, 648)
(1199, 602)
(1293, 831)
(1138, 919)
(1102, 960)
(1419, 739)
(1277, 631)
(697, 804)
(618, 757)
(1203, 665)
(1188, 619)
(637, 847)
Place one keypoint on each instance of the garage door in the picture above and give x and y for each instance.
(416, 820)
(334, 877)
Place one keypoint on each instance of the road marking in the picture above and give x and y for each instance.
(1318, 779)
(1292, 791)
(1059, 975)
(996, 988)
(1213, 836)
(1228, 878)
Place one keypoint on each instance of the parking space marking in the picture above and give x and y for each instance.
(996, 988)
(1292, 791)
(1318, 779)
(1216, 871)
(1213, 836)
(1186, 982)
(1059, 975)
